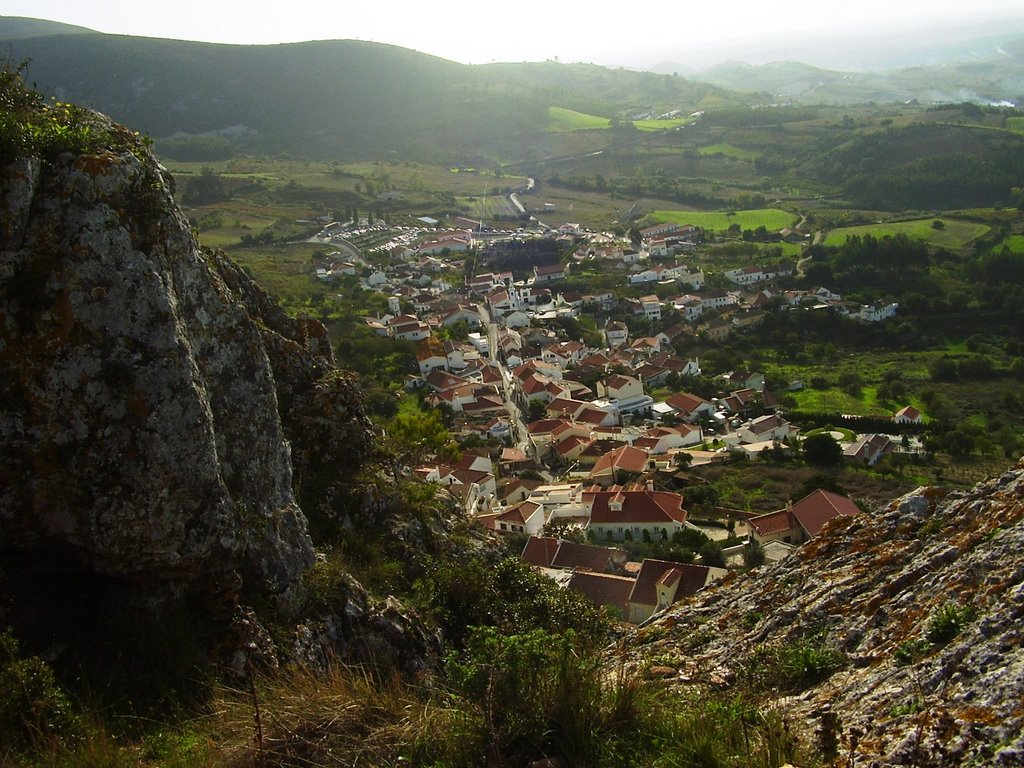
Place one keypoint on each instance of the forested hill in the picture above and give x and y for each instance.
(331, 97)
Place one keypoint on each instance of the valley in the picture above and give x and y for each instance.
(418, 413)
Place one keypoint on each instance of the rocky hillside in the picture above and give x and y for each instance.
(159, 416)
(897, 633)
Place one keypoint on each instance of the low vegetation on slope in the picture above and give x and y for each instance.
(899, 629)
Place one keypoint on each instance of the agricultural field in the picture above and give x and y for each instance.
(1015, 124)
(285, 272)
(772, 219)
(563, 120)
(661, 125)
(953, 234)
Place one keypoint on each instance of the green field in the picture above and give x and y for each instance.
(1015, 124)
(563, 120)
(661, 125)
(955, 233)
(772, 219)
(729, 150)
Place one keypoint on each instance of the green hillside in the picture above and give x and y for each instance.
(333, 98)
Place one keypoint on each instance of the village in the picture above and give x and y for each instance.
(579, 442)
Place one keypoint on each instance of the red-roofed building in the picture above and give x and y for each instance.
(548, 552)
(661, 583)
(621, 462)
(908, 415)
(514, 460)
(565, 408)
(548, 273)
(604, 590)
(540, 551)
(617, 515)
(526, 517)
(690, 407)
(803, 520)
(571, 447)
(564, 354)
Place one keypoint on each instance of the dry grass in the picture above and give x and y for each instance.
(308, 718)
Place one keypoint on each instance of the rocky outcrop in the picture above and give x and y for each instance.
(154, 403)
(919, 606)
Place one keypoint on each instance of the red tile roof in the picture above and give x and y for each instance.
(637, 507)
(773, 522)
(627, 458)
(653, 572)
(818, 507)
(586, 556)
(603, 589)
(540, 551)
(686, 403)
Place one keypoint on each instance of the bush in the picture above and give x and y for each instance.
(795, 665)
(31, 127)
(910, 651)
(753, 555)
(822, 450)
(948, 622)
(32, 705)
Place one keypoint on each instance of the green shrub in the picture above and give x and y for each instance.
(948, 622)
(33, 707)
(542, 694)
(794, 665)
(31, 127)
(910, 651)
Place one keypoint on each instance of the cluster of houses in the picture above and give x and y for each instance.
(602, 572)
(594, 420)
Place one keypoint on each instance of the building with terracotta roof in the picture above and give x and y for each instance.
(908, 415)
(618, 515)
(547, 552)
(604, 590)
(620, 463)
(869, 449)
(526, 517)
(690, 407)
(803, 520)
(661, 583)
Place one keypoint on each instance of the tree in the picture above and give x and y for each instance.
(711, 554)
(535, 411)
(421, 433)
(822, 450)
(753, 554)
(207, 187)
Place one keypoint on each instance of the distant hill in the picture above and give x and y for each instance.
(334, 97)
(17, 27)
(989, 70)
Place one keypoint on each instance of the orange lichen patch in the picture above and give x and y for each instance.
(1009, 514)
(983, 715)
(892, 554)
(94, 165)
(998, 587)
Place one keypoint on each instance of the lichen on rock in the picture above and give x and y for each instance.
(149, 388)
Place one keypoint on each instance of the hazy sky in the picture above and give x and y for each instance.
(634, 34)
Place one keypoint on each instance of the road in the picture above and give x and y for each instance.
(517, 426)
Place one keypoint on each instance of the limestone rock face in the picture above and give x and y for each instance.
(924, 599)
(146, 386)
